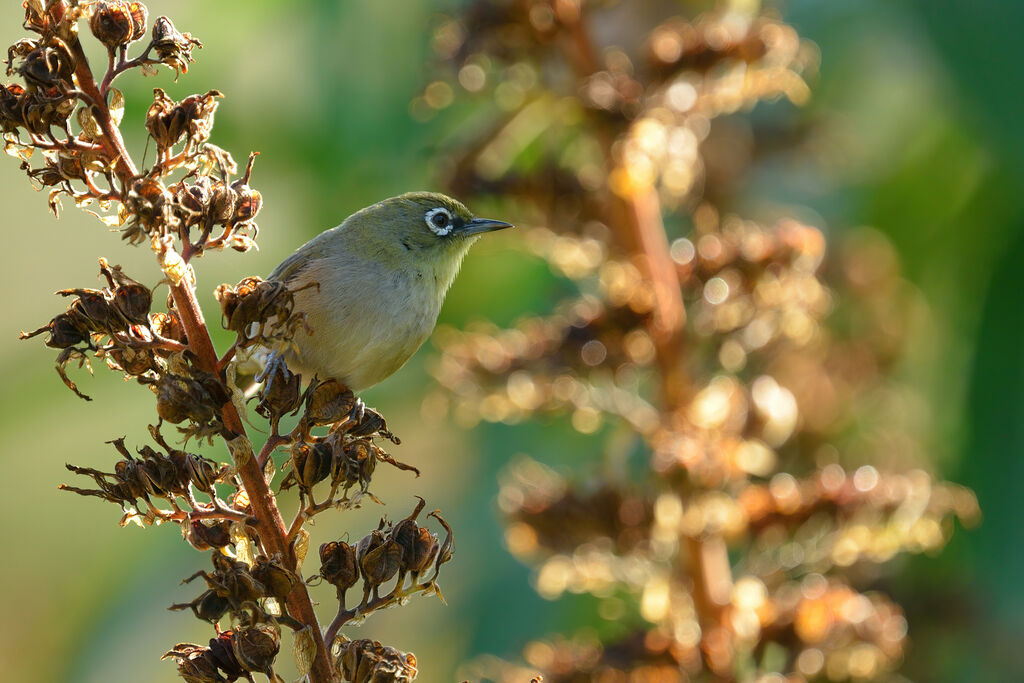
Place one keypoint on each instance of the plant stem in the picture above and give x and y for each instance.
(270, 524)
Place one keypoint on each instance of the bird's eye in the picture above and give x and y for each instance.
(439, 221)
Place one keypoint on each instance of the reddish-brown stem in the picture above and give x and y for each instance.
(272, 442)
(270, 524)
(640, 230)
(345, 615)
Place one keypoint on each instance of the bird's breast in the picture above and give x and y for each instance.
(367, 321)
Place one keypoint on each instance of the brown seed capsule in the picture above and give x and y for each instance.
(328, 401)
(419, 546)
(130, 298)
(354, 461)
(255, 647)
(204, 536)
(338, 564)
(380, 558)
(150, 204)
(46, 177)
(249, 200)
(171, 46)
(133, 362)
(184, 398)
(49, 65)
(164, 121)
(232, 580)
(311, 464)
(168, 326)
(371, 422)
(10, 107)
(192, 202)
(168, 121)
(66, 330)
(280, 394)
(222, 653)
(210, 606)
(222, 202)
(70, 166)
(274, 576)
(367, 661)
(195, 664)
(118, 23)
(95, 306)
(201, 472)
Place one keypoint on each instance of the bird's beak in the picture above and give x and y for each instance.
(479, 225)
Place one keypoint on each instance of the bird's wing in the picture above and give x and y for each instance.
(300, 259)
(290, 267)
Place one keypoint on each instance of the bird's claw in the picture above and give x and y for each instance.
(358, 411)
(274, 365)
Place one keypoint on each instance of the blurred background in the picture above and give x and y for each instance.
(916, 108)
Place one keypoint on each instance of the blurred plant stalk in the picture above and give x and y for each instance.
(749, 368)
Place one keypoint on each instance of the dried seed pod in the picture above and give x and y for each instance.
(195, 663)
(222, 653)
(168, 326)
(210, 606)
(328, 401)
(192, 202)
(338, 565)
(49, 65)
(372, 422)
(222, 202)
(419, 546)
(256, 647)
(96, 307)
(367, 661)
(66, 330)
(203, 536)
(11, 98)
(150, 205)
(183, 398)
(118, 23)
(311, 464)
(171, 46)
(380, 558)
(232, 580)
(353, 462)
(133, 362)
(249, 201)
(164, 121)
(280, 394)
(130, 298)
(168, 121)
(71, 167)
(253, 304)
(277, 579)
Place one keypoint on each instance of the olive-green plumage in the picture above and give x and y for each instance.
(381, 277)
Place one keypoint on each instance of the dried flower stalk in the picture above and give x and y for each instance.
(186, 204)
(738, 552)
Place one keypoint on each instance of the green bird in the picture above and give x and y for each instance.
(380, 279)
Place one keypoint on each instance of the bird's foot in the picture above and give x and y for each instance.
(358, 411)
(275, 364)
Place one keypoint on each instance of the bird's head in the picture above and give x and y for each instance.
(422, 227)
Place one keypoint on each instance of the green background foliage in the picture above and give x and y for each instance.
(919, 105)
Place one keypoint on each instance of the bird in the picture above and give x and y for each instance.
(371, 288)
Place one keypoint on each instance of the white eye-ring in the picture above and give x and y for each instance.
(439, 220)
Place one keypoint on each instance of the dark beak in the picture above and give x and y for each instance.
(479, 225)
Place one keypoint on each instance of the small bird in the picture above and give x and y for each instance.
(372, 287)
